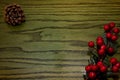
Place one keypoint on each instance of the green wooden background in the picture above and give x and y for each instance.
(52, 43)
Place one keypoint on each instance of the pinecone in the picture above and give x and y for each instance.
(14, 14)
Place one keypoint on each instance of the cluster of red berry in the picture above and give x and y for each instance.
(104, 48)
(98, 71)
(115, 65)
(111, 34)
(111, 31)
(94, 70)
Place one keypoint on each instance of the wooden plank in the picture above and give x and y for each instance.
(52, 43)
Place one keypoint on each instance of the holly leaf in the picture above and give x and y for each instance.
(95, 58)
(92, 51)
(104, 38)
(106, 61)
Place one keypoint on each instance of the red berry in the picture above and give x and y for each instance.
(108, 35)
(100, 42)
(113, 61)
(116, 30)
(99, 38)
(88, 68)
(106, 27)
(94, 67)
(115, 69)
(91, 44)
(92, 75)
(101, 52)
(117, 64)
(103, 68)
(111, 50)
(103, 47)
(100, 63)
(114, 37)
(112, 25)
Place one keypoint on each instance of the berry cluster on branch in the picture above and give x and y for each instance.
(101, 65)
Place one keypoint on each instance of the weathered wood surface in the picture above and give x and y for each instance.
(52, 43)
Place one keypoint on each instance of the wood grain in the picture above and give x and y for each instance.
(52, 43)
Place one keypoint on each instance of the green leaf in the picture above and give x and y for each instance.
(106, 61)
(105, 39)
